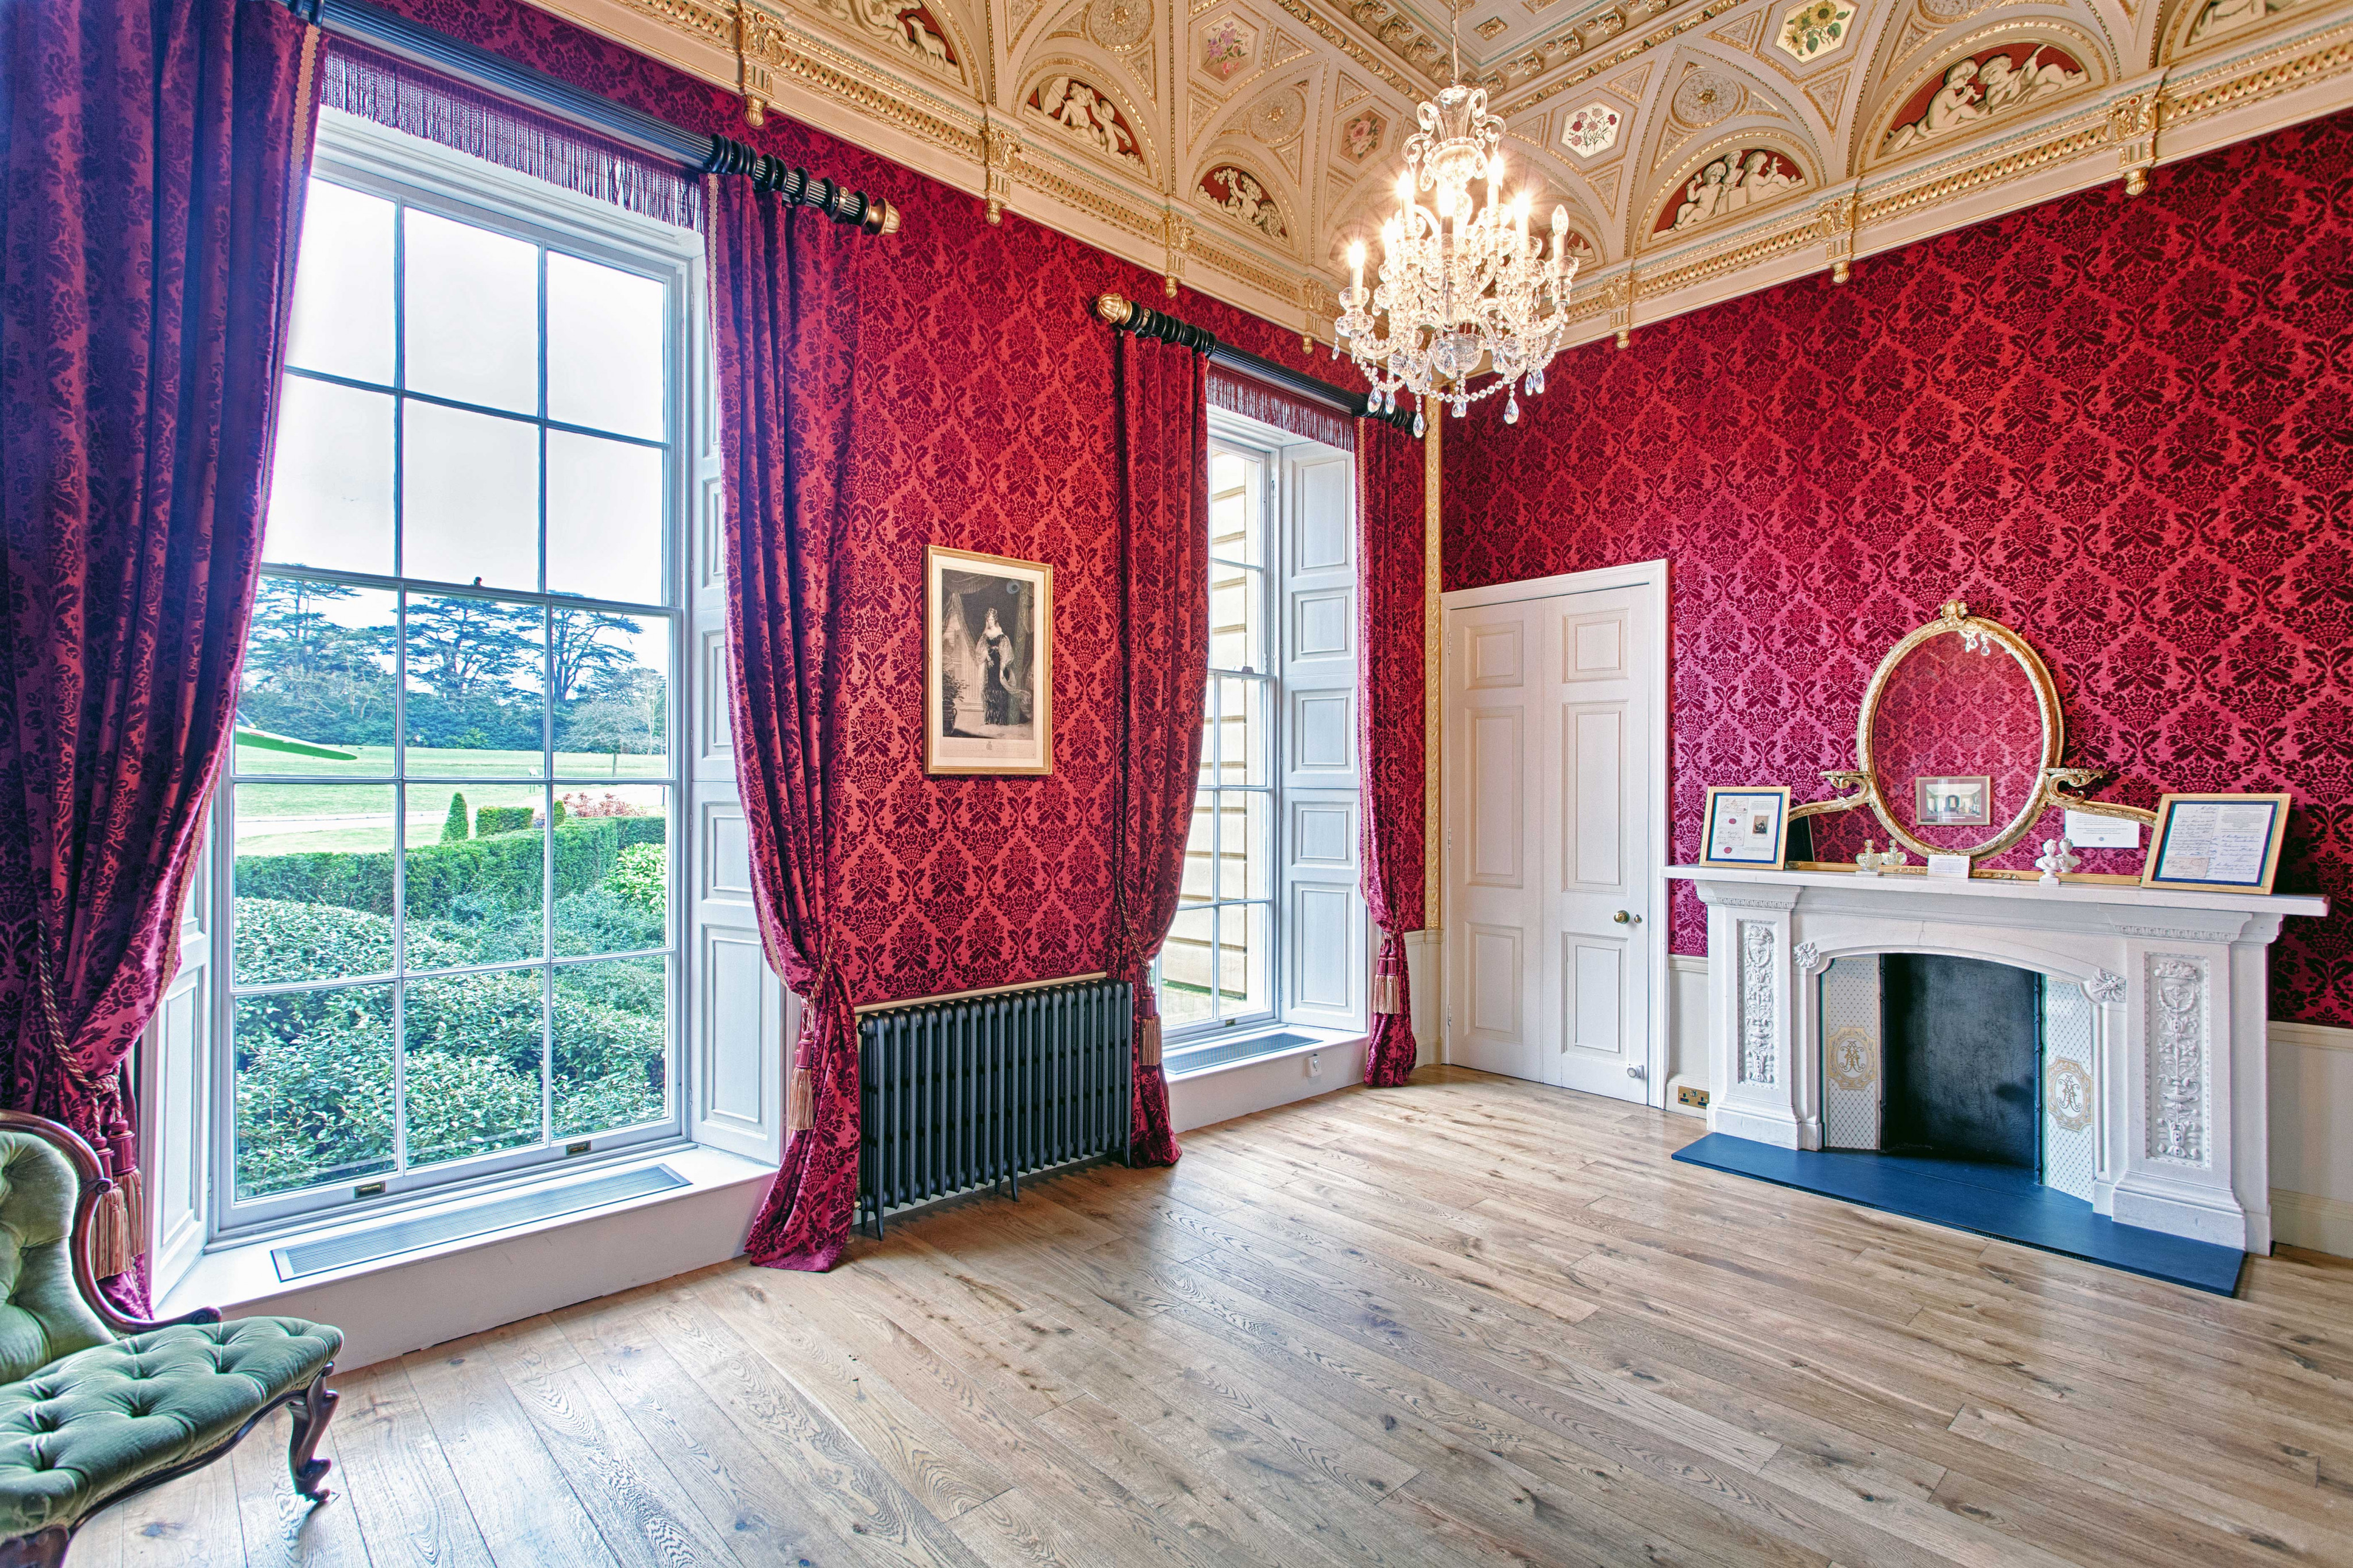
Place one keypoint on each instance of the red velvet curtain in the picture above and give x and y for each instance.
(1162, 436)
(152, 158)
(784, 312)
(1389, 727)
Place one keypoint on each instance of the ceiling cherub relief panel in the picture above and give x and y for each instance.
(2004, 82)
(915, 32)
(1082, 111)
(2199, 24)
(1738, 180)
(1981, 78)
(1243, 195)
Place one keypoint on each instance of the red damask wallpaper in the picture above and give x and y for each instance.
(983, 422)
(2121, 424)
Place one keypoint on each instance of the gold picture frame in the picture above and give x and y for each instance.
(1737, 817)
(2217, 843)
(988, 664)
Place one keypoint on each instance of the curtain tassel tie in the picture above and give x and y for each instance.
(109, 1235)
(1147, 1044)
(800, 1100)
(1389, 976)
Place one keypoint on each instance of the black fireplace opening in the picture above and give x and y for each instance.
(1963, 1059)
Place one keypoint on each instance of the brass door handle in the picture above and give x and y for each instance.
(1624, 919)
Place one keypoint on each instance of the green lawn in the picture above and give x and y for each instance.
(266, 812)
(376, 763)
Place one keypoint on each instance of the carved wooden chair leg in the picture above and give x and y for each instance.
(312, 1413)
(47, 1550)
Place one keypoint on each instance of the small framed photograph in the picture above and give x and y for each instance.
(1953, 802)
(2228, 842)
(988, 664)
(1746, 827)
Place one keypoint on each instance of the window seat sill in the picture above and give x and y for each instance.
(1308, 1041)
(391, 1305)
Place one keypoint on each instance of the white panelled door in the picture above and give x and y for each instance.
(1551, 872)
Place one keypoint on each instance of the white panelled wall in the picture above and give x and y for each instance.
(2311, 1070)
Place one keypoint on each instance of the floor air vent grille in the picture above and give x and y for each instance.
(305, 1258)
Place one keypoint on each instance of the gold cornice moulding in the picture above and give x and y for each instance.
(2143, 133)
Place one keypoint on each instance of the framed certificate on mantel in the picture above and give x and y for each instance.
(2227, 843)
(1746, 827)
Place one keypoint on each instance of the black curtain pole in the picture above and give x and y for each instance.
(1126, 316)
(396, 35)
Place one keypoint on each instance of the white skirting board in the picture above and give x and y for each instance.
(2311, 1096)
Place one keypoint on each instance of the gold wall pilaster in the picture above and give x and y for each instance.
(1432, 644)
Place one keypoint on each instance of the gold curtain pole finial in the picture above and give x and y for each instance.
(1114, 309)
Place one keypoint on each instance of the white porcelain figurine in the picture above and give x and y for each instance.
(2058, 857)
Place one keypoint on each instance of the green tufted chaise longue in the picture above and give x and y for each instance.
(95, 1405)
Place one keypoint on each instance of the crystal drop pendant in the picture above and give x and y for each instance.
(1535, 384)
(1417, 423)
(1512, 411)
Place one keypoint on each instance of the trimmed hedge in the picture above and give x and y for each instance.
(501, 865)
(314, 1068)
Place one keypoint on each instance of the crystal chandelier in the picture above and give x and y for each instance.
(1461, 284)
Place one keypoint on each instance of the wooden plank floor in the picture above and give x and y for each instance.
(1475, 1321)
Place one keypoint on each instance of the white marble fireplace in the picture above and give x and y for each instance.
(2175, 981)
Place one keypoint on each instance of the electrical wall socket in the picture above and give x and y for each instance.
(1691, 1094)
(1316, 1064)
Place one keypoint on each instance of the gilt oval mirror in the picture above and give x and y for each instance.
(1957, 727)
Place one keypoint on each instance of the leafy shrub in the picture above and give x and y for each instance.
(602, 921)
(493, 819)
(314, 1068)
(277, 943)
(501, 863)
(453, 826)
(641, 875)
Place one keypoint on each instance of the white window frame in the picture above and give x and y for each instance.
(723, 1087)
(1311, 807)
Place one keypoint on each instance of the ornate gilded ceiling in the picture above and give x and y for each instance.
(1704, 148)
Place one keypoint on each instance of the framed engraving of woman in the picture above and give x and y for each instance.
(989, 665)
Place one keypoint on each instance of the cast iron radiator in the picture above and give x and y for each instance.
(963, 1094)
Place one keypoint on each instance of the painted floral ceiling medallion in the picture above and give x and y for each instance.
(1591, 130)
(1814, 28)
(1238, 193)
(1728, 184)
(1362, 134)
(1226, 47)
